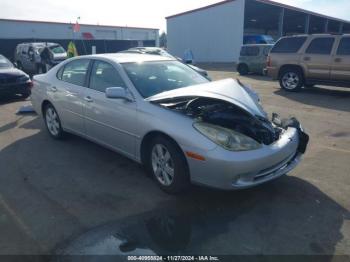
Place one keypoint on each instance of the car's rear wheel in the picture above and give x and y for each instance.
(291, 80)
(53, 122)
(167, 164)
(243, 69)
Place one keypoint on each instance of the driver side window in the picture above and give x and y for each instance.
(104, 75)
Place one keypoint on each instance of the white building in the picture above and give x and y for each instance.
(106, 38)
(215, 33)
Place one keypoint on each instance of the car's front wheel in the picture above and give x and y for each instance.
(53, 122)
(168, 165)
(243, 69)
(291, 80)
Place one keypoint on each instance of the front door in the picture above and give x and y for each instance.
(317, 58)
(109, 121)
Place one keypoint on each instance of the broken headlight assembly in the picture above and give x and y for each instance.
(226, 138)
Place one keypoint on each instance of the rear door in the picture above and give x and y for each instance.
(317, 58)
(341, 61)
(249, 56)
(69, 93)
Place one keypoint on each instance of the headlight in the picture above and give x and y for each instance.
(228, 139)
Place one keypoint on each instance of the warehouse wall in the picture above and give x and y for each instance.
(12, 29)
(214, 34)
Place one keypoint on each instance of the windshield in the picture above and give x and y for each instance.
(151, 78)
(57, 49)
(4, 63)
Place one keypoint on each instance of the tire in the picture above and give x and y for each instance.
(166, 163)
(53, 122)
(242, 69)
(291, 79)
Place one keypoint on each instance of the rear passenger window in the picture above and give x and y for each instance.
(250, 51)
(75, 72)
(288, 45)
(104, 75)
(344, 46)
(321, 46)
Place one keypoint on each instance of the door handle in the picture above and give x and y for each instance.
(307, 58)
(88, 99)
(337, 60)
(53, 89)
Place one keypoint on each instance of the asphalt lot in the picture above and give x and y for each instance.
(75, 197)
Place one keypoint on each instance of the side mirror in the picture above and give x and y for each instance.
(118, 93)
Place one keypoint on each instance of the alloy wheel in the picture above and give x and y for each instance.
(162, 165)
(290, 80)
(52, 121)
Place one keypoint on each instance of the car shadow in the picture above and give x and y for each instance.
(79, 198)
(11, 99)
(286, 217)
(320, 96)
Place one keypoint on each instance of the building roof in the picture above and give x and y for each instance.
(269, 2)
(62, 23)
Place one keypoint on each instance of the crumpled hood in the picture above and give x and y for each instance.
(228, 90)
(8, 72)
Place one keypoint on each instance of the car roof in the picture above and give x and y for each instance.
(146, 48)
(130, 57)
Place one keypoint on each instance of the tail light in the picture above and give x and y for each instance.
(31, 85)
(268, 61)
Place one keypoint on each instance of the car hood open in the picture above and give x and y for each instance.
(229, 90)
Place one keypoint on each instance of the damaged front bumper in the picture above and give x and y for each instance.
(239, 170)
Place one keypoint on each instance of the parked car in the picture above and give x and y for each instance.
(159, 112)
(162, 52)
(38, 58)
(306, 60)
(258, 39)
(12, 80)
(253, 58)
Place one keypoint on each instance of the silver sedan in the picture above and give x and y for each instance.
(159, 112)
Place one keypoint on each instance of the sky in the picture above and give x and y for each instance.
(142, 13)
